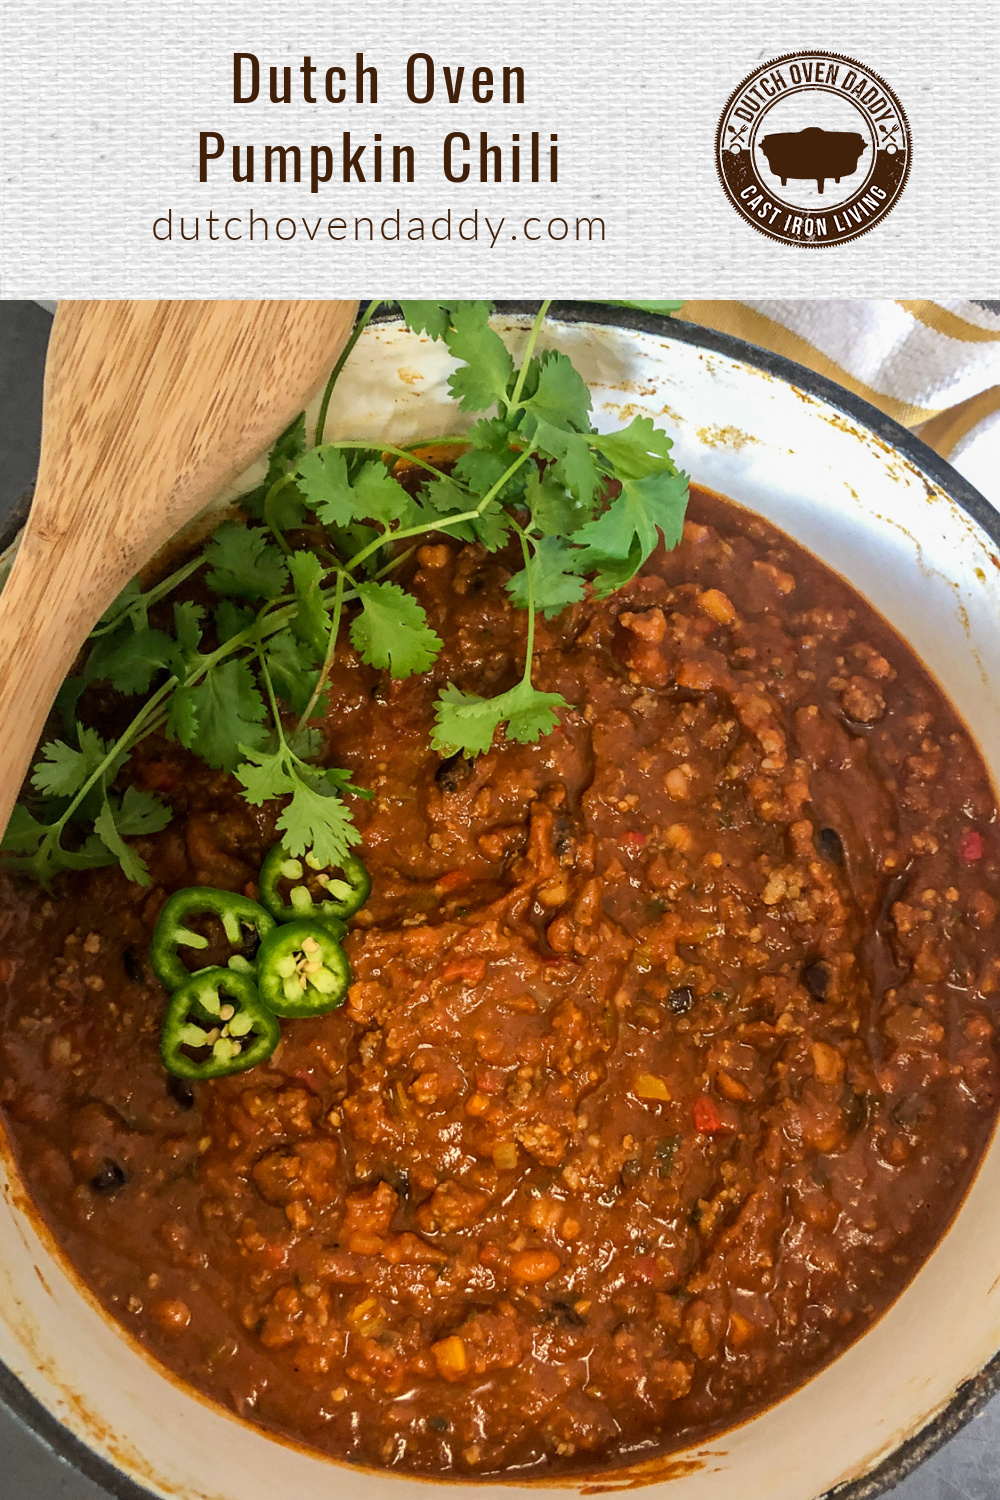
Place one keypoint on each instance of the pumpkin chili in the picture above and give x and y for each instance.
(668, 1053)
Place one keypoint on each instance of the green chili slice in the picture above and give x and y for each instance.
(302, 970)
(172, 931)
(295, 888)
(216, 1025)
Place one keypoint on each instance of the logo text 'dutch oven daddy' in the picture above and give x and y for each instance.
(813, 149)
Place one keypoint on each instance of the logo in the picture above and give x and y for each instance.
(813, 149)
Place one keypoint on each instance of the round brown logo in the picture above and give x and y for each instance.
(813, 149)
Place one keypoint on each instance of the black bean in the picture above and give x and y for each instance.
(631, 1171)
(816, 978)
(379, 693)
(452, 772)
(438, 1424)
(110, 1178)
(562, 841)
(830, 845)
(910, 1108)
(855, 1107)
(681, 1000)
(181, 1091)
(132, 964)
(564, 1312)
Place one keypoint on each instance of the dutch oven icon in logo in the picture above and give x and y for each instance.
(813, 149)
(813, 153)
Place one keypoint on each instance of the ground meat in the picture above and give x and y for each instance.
(669, 1052)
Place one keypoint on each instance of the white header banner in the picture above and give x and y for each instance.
(267, 148)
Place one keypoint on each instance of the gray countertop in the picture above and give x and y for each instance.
(967, 1468)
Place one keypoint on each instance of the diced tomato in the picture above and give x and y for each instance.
(970, 847)
(489, 1080)
(642, 1268)
(706, 1116)
(633, 842)
(453, 880)
(471, 969)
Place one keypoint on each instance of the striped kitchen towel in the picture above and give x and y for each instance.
(934, 366)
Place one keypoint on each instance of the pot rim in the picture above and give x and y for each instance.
(973, 1394)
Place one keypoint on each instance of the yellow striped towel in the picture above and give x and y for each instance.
(934, 366)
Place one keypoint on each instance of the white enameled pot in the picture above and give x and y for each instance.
(906, 531)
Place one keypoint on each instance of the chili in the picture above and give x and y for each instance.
(172, 931)
(302, 970)
(216, 1025)
(326, 893)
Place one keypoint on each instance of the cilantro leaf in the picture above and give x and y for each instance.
(324, 481)
(182, 717)
(315, 818)
(24, 832)
(638, 450)
(311, 621)
(63, 771)
(611, 572)
(468, 723)
(244, 564)
(560, 395)
(130, 603)
(230, 619)
(129, 658)
(482, 379)
(392, 630)
(645, 508)
(554, 511)
(265, 775)
(488, 459)
(187, 629)
(228, 713)
(135, 814)
(141, 812)
(293, 674)
(574, 463)
(377, 496)
(133, 865)
(287, 450)
(554, 582)
(287, 507)
(433, 318)
(655, 307)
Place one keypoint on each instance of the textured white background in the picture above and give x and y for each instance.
(102, 104)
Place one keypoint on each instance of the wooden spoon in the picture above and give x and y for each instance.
(149, 409)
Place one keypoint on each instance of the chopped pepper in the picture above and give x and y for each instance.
(294, 888)
(216, 1025)
(171, 931)
(302, 970)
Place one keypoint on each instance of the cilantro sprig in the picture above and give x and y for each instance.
(241, 680)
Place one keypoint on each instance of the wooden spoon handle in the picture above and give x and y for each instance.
(149, 409)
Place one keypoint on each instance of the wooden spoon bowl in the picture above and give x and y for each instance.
(149, 409)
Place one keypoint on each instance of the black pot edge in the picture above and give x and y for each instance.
(973, 1394)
